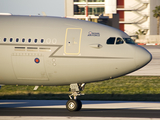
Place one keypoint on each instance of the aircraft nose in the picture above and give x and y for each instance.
(142, 57)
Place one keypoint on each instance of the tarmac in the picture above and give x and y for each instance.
(91, 110)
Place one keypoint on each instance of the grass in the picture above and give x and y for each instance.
(123, 88)
(126, 85)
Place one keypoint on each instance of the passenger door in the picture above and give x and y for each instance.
(72, 41)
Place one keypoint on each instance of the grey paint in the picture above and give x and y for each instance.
(73, 51)
(153, 68)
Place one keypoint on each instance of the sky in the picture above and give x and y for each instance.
(33, 7)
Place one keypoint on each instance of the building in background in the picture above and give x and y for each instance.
(137, 15)
(127, 15)
(101, 11)
(133, 14)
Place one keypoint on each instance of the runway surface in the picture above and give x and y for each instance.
(153, 68)
(98, 109)
(83, 113)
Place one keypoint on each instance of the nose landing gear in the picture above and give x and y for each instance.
(75, 104)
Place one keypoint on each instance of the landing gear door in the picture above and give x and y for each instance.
(72, 41)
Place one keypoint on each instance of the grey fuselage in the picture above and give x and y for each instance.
(58, 51)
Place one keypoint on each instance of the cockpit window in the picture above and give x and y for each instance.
(119, 41)
(129, 41)
(111, 40)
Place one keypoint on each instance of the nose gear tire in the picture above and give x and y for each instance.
(73, 105)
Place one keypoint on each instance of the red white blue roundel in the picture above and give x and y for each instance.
(36, 60)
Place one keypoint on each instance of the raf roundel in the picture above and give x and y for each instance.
(36, 60)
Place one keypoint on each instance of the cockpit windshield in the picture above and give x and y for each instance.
(129, 41)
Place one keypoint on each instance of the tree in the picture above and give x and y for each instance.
(156, 14)
(141, 32)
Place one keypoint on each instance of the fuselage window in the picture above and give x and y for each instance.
(35, 40)
(5, 39)
(17, 39)
(111, 40)
(11, 39)
(23, 40)
(119, 41)
(29, 40)
(42, 40)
